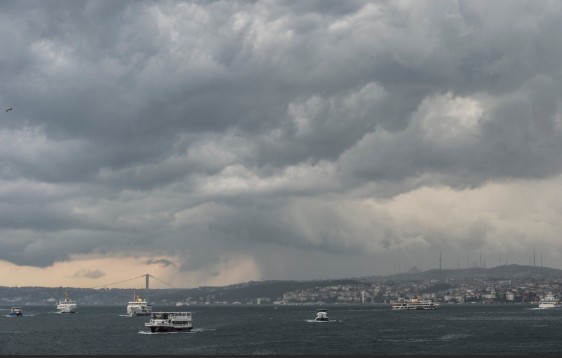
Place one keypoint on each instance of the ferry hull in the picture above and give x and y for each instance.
(414, 307)
(549, 307)
(66, 310)
(139, 314)
(159, 329)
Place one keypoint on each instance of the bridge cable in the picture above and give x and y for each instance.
(157, 279)
(114, 283)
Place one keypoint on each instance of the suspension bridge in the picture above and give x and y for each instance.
(147, 277)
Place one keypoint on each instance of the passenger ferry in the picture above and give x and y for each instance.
(170, 322)
(322, 315)
(414, 304)
(16, 312)
(549, 301)
(138, 307)
(67, 305)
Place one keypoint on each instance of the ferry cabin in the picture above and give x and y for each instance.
(322, 314)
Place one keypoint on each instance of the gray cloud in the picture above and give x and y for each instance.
(239, 127)
(90, 274)
(162, 262)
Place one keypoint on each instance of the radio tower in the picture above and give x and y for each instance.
(439, 259)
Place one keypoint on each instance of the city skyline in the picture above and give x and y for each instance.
(217, 142)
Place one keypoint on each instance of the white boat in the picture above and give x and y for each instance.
(16, 312)
(322, 315)
(549, 301)
(414, 304)
(66, 305)
(170, 322)
(138, 307)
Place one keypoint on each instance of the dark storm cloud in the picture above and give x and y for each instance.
(136, 122)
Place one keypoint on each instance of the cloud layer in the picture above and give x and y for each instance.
(233, 140)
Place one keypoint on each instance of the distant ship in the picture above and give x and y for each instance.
(322, 315)
(414, 304)
(16, 312)
(549, 301)
(138, 307)
(170, 322)
(66, 305)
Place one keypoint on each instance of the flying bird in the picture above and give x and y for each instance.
(8, 109)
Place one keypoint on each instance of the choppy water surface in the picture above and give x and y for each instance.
(364, 329)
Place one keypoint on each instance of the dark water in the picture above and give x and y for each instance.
(261, 330)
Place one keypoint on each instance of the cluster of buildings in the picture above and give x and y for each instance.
(444, 291)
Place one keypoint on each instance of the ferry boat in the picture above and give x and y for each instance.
(170, 322)
(16, 312)
(138, 307)
(67, 305)
(414, 304)
(549, 301)
(322, 315)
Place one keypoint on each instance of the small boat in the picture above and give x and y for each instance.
(549, 301)
(16, 312)
(322, 315)
(67, 305)
(414, 304)
(138, 307)
(170, 322)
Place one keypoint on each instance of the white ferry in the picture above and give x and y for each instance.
(138, 307)
(170, 322)
(549, 301)
(414, 304)
(322, 315)
(67, 305)
(16, 312)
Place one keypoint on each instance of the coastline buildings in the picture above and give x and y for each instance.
(526, 287)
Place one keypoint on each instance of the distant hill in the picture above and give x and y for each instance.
(255, 289)
(505, 272)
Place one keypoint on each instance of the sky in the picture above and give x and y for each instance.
(209, 143)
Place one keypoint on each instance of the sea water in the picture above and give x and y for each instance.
(268, 329)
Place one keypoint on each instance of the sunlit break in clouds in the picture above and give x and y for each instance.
(218, 142)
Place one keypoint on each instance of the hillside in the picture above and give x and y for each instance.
(254, 289)
(505, 272)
